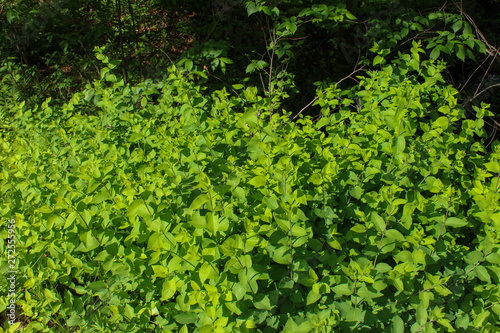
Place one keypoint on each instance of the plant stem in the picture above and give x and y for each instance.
(131, 10)
(124, 63)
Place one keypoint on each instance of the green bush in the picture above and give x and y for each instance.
(158, 207)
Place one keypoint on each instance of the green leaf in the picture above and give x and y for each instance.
(212, 222)
(474, 257)
(322, 122)
(45, 209)
(298, 231)
(250, 68)
(493, 167)
(479, 320)
(160, 271)
(55, 220)
(111, 78)
(404, 256)
(435, 53)
(460, 52)
(262, 302)
(315, 179)
(186, 318)
(356, 191)
(394, 234)
(233, 308)
(197, 221)
(271, 203)
(258, 181)
(342, 289)
(49, 295)
(482, 274)
(104, 72)
(441, 122)
(446, 323)
(70, 219)
(138, 208)
(377, 60)
(355, 315)
(456, 26)
(481, 46)
(239, 290)
(158, 242)
(100, 197)
(421, 314)
(128, 312)
(350, 16)
(378, 222)
(433, 16)
(292, 327)
(75, 320)
(207, 272)
(400, 145)
(112, 64)
(199, 201)
(398, 324)
(251, 8)
(312, 297)
(250, 93)
(89, 242)
(239, 193)
(455, 222)
(282, 255)
(462, 321)
(168, 290)
(188, 64)
(414, 64)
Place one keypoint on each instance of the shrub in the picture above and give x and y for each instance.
(159, 207)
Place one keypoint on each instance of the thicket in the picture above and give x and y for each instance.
(233, 190)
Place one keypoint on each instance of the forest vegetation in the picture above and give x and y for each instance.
(249, 166)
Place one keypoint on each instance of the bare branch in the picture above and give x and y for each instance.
(316, 98)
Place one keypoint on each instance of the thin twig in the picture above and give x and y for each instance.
(124, 63)
(423, 325)
(484, 76)
(472, 75)
(492, 86)
(136, 28)
(316, 98)
(492, 50)
(274, 41)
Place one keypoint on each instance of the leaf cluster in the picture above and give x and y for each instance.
(163, 206)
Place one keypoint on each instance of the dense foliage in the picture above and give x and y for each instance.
(203, 200)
